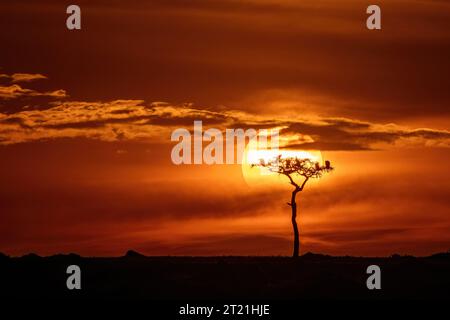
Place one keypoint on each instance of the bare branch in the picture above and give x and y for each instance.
(292, 180)
(304, 182)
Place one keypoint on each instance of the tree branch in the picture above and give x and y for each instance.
(292, 180)
(303, 184)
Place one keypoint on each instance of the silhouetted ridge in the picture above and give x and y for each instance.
(61, 256)
(133, 254)
(31, 256)
(3, 257)
(310, 255)
(311, 276)
(441, 255)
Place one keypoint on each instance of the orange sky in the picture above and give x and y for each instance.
(86, 117)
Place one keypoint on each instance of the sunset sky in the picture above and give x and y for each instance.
(86, 118)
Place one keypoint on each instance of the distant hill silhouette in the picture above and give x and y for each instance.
(226, 277)
(3, 257)
(133, 254)
(31, 257)
(442, 255)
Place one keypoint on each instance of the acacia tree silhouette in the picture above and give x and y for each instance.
(290, 167)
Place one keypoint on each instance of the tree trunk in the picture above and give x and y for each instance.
(294, 224)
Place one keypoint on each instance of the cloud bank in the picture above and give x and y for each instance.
(137, 120)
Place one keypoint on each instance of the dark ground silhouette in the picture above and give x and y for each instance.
(214, 278)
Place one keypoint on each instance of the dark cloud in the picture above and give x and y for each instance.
(347, 134)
